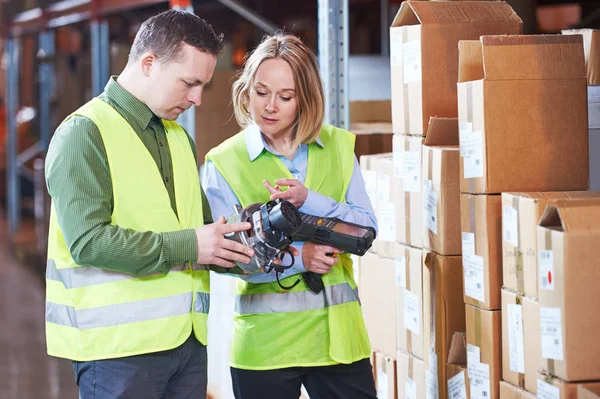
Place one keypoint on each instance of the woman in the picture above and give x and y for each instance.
(286, 338)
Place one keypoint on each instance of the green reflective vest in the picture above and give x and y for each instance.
(94, 314)
(275, 328)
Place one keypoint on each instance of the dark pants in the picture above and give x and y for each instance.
(342, 381)
(179, 373)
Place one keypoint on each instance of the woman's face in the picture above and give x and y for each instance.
(273, 102)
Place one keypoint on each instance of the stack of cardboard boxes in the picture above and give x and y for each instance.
(411, 283)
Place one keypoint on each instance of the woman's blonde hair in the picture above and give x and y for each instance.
(309, 88)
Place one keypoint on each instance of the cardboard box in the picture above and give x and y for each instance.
(385, 376)
(408, 193)
(552, 387)
(531, 325)
(411, 376)
(591, 49)
(441, 188)
(522, 110)
(481, 222)
(509, 391)
(569, 249)
(458, 381)
(424, 55)
(443, 312)
(513, 340)
(584, 392)
(371, 122)
(378, 300)
(409, 282)
(484, 341)
(521, 213)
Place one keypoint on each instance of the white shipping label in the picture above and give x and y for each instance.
(383, 188)
(431, 382)
(396, 48)
(551, 331)
(480, 381)
(430, 206)
(510, 224)
(411, 172)
(410, 389)
(386, 219)
(472, 149)
(463, 128)
(468, 243)
(473, 269)
(370, 178)
(412, 312)
(401, 271)
(473, 357)
(547, 391)
(457, 387)
(516, 347)
(411, 61)
(546, 267)
(382, 385)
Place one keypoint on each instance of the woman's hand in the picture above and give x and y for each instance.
(296, 192)
(319, 258)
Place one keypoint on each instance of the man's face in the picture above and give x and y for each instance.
(178, 85)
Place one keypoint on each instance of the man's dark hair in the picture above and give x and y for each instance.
(164, 34)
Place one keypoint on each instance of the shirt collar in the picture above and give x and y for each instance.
(130, 106)
(255, 142)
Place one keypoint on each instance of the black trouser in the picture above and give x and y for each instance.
(342, 381)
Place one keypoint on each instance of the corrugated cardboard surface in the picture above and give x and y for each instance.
(408, 196)
(591, 46)
(531, 317)
(541, 149)
(484, 331)
(584, 392)
(385, 376)
(378, 300)
(514, 377)
(409, 276)
(482, 216)
(424, 55)
(567, 390)
(443, 309)
(509, 391)
(455, 369)
(371, 122)
(568, 289)
(410, 370)
(519, 263)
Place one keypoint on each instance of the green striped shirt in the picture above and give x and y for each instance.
(79, 182)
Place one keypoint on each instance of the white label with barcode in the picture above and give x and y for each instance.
(457, 387)
(468, 243)
(431, 382)
(401, 271)
(411, 172)
(551, 332)
(546, 267)
(430, 206)
(370, 179)
(472, 150)
(411, 61)
(510, 224)
(473, 357)
(473, 269)
(412, 312)
(480, 381)
(383, 188)
(464, 128)
(386, 219)
(547, 391)
(382, 384)
(410, 389)
(515, 338)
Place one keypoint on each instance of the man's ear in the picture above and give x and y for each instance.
(147, 61)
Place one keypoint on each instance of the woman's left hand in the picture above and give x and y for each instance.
(296, 192)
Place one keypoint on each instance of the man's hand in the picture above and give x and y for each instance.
(296, 192)
(215, 249)
(315, 259)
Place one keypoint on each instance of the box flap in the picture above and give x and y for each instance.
(442, 131)
(573, 215)
(405, 16)
(591, 49)
(370, 111)
(470, 61)
(533, 57)
(588, 392)
(457, 354)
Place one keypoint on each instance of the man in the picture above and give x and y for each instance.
(127, 287)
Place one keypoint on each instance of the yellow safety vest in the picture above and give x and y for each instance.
(94, 314)
(276, 328)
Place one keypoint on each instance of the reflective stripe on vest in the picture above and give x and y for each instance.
(295, 301)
